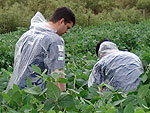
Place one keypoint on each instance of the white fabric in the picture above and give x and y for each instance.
(34, 44)
(120, 69)
(107, 48)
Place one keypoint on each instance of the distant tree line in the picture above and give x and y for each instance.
(17, 13)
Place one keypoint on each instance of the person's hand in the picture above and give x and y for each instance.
(100, 90)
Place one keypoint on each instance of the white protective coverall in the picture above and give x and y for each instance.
(120, 69)
(40, 46)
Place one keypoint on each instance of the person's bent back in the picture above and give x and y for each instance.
(119, 69)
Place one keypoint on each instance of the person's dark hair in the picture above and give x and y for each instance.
(63, 12)
(98, 45)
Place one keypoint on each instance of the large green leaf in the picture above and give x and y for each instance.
(53, 92)
(66, 101)
(129, 109)
(36, 90)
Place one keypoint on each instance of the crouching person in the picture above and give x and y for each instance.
(119, 69)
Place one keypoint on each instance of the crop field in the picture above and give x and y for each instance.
(80, 45)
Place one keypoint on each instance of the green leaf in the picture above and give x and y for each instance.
(36, 90)
(34, 111)
(53, 92)
(17, 97)
(142, 102)
(83, 93)
(49, 105)
(60, 112)
(102, 85)
(36, 69)
(10, 110)
(129, 109)
(26, 108)
(139, 111)
(15, 88)
(144, 77)
(93, 91)
(51, 111)
(27, 99)
(112, 110)
(109, 86)
(118, 102)
(29, 84)
(62, 80)
(66, 101)
(55, 75)
(143, 90)
(130, 99)
(86, 108)
(6, 97)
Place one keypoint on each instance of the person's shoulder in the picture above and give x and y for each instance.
(50, 37)
(127, 54)
(124, 53)
(53, 37)
(100, 62)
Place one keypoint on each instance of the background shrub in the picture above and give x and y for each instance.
(17, 13)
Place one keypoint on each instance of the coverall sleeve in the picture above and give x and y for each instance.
(96, 75)
(55, 57)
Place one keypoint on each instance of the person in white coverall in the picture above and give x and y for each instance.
(42, 46)
(119, 69)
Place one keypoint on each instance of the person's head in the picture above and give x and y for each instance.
(105, 47)
(98, 46)
(64, 19)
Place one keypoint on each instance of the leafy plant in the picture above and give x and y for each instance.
(80, 58)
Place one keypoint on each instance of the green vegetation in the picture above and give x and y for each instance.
(80, 58)
(17, 13)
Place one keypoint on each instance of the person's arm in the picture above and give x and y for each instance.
(54, 60)
(100, 90)
(54, 55)
(96, 76)
(62, 86)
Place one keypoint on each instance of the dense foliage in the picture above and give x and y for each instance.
(14, 13)
(80, 57)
